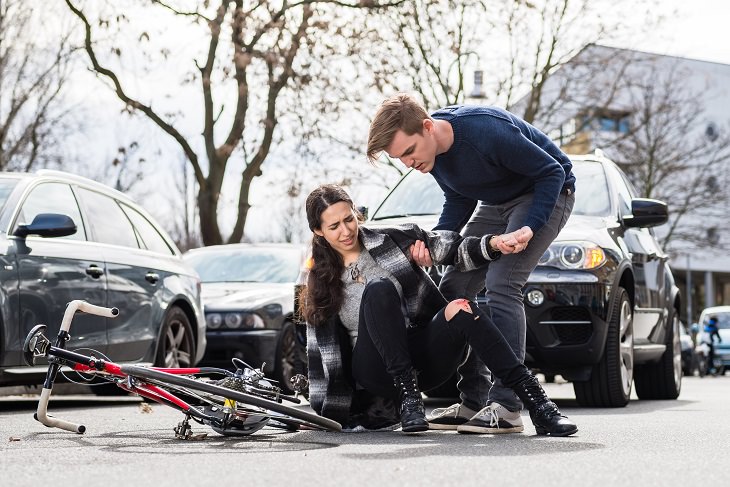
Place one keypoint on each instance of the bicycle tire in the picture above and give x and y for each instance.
(289, 413)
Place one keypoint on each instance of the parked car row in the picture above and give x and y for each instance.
(602, 306)
(64, 237)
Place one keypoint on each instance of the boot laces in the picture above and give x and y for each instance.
(547, 408)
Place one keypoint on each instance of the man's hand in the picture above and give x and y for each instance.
(513, 242)
(420, 254)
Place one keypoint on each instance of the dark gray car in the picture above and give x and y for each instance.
(63, 237)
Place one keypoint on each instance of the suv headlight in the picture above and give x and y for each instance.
(573, 255)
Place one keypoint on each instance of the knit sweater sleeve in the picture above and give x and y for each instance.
(450, 248)
(524, 156)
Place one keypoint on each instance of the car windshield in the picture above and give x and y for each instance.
(419, 194)
(277, 265)
(6, 187)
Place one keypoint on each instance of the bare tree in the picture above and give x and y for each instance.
(675, 152)
(515, 44)
(270, 49)
(33, 73)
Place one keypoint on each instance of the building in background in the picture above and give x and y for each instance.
(666, 121)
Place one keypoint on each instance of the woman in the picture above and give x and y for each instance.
(378, 326)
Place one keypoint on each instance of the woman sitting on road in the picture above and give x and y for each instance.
(379, 327)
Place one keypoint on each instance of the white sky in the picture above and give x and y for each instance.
(700, 29)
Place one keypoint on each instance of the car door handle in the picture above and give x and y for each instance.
(152, 277)
(95, 271)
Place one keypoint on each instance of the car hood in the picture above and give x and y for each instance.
(427, 222)
(250, 295)
(591, 228)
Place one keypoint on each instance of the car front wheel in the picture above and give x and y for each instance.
(611, 378)
(177, 345)
(290, 357)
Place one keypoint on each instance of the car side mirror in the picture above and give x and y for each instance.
(363, 210)
(47, 225)
(646, 213)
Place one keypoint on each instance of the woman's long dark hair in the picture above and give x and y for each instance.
(325, 290)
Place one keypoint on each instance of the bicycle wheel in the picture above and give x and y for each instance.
(276, 411)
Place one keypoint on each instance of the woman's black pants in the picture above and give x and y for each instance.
(385, 347)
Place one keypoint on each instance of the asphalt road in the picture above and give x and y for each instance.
(648, 443)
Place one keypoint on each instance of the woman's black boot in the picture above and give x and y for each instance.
(412, 412)
(544, 413)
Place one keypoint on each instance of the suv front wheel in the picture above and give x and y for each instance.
(663, 379)
(611, 378)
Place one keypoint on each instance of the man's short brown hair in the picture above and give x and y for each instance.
(399, 112)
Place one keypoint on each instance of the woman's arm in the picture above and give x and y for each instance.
(445, 247)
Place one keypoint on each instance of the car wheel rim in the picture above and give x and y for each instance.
(677, 349)
(177, 345)
(626, 347)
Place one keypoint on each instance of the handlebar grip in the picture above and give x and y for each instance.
(80, 305)
(92, 309)
(42, 416)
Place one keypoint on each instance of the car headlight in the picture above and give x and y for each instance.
(214, 320)
(573, 255)
(234, 321)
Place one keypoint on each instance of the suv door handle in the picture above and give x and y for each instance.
(95, 271)
(152, 277)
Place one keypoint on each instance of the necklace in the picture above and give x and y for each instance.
(354, 271)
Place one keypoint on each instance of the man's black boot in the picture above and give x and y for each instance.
(412, 412)
(543, 412)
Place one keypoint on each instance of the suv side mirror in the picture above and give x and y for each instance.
(47, 225)
(363, 211)
(646, 213)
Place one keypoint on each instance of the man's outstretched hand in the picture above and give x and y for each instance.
(513, 242)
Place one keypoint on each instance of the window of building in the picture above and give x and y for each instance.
(606, 120)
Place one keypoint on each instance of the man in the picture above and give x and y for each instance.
(712, 330)
(501, 176)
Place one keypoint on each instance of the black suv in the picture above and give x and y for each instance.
(63, 237)
(602, 306)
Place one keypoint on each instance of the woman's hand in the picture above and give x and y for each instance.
(513, 242)
(420, 254)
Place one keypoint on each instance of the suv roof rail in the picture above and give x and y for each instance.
(80, 179)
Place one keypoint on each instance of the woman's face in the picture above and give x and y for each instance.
(339, 228)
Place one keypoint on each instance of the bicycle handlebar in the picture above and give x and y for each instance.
(84, 307)
(42, 412)
(42, 416)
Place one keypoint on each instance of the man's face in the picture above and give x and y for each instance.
(418, 150)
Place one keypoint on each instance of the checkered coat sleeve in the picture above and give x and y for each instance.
(330, 390)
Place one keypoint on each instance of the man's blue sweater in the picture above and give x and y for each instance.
(495, 158)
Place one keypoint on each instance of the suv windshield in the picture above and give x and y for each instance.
(419, 194)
